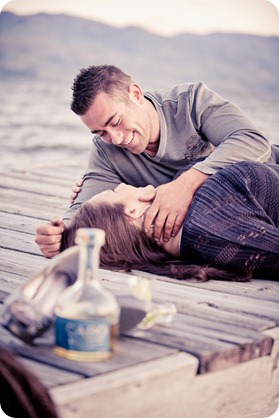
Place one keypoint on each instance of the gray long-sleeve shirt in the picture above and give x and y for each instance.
(195, 124)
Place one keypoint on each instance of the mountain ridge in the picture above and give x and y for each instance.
(53, 47)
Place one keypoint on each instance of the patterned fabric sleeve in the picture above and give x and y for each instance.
(233, 222)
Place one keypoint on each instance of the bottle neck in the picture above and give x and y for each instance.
(89, 260)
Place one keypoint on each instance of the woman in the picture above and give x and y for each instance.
(232, 225)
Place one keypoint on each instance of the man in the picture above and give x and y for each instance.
(146, 138)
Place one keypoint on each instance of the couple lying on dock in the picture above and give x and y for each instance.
(232, 224)
(211, 212)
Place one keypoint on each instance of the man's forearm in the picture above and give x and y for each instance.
(193, 179)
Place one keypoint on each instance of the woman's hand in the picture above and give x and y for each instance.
(49, 236)
(171, 204)
(76, 189)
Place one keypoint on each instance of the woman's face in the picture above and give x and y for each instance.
(128, 196)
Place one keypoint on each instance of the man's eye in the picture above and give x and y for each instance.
(117, 123)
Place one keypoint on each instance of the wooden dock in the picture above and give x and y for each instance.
(218, 358)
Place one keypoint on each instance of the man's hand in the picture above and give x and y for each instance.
(171, 204)
(76, 189)
(48, 237)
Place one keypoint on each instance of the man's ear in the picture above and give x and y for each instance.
(136, 93)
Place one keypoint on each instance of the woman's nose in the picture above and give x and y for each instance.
(148, 189)
(119, 187)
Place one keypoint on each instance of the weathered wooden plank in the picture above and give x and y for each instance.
(131, 385)
(50, 376)
(222, 332)
(10, 286)
(255, 288)
(15, 268)
(128, 352)
(122, 279)
(21, 263)
(25, 183)
(24, 264)
(25, 197)
(169, 387)
(196, 335)
(214, 349)
(117, 282)
(258, 289)
(13, 279)
(51, 177)
(19, 241)
(20, 223)
(212, 354)
(204, 316)
(52, 172)
(234, 318)
(186, 298)
(228, 302)
(28, 204)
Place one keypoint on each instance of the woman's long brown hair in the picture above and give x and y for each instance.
(22, 394)
(129, 248)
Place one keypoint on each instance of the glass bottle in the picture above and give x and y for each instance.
(87, 315)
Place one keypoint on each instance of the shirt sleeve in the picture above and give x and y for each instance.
(235, 137)
(99, 176)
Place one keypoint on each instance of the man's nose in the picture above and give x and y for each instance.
(116, 136)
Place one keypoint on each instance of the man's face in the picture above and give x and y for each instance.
(124, 124)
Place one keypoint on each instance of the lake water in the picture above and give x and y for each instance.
(37, 126)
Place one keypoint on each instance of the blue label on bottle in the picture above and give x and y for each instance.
(91, 335)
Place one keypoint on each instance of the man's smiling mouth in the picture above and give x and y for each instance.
(129, 140)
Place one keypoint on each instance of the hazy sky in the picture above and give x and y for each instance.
(167, 17)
